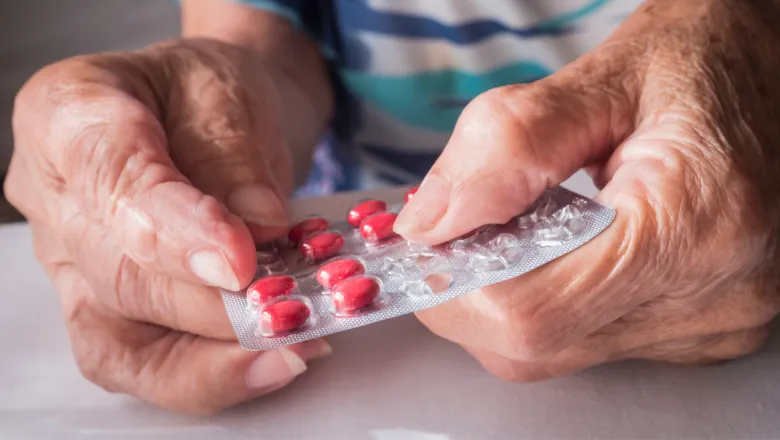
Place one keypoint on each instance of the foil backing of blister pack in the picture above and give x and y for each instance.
(416, 277)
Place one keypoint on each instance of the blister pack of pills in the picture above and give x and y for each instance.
(327, 277)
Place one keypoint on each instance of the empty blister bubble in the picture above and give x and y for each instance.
(561, 226)
(501, 252)
(330, 276)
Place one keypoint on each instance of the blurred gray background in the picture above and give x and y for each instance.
(34, 33)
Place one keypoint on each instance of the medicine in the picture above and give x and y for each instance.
(336, 271)
(411, 193)
(307, 227)
(378, 227)
(323, 245)
(269, 287)
(344, 277)
(353, 294)
(284, 316)
(363, 210)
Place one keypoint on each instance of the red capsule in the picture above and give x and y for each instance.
(362, 210)
(378, 227)
(270, 287)
(354, 294)
(307, 227)
(323, 245)
(411, 193)
(284, 316)
(336, 271)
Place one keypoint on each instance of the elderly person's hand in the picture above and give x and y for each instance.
(145, 177)
(676, 117)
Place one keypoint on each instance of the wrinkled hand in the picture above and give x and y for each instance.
(676, 118)
(145, 177)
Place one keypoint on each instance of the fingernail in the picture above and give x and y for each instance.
(274, 368)
(258, 205)
(426, 208)
(315, 349)
(213, 269)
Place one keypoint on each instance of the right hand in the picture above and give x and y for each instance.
(146, 178)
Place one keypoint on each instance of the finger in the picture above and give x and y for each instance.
(551, 308)
(511, 370)
(667, 318)
(706, 349)
(707, 338)
(225, 135)
(120, 285)
(110, 154)
(513, 142)
(175, 370)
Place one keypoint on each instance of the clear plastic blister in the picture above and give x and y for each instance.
(327, 277)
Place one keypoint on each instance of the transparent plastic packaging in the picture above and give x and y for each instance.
(328, 277)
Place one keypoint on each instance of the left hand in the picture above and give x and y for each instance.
(676, 118)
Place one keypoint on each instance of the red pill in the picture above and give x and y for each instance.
(363, 210)
(378, 227)
(270, 287)
(354, 294)
(336, 271)
(323, 245)
(284, 316)
(307, 227)
(411, 193)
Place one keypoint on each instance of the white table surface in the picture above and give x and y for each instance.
(392, 380)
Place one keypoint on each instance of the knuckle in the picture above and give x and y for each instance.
(14, 186)
(486, 113)
(55, 84)
(93, 367)
(40, 87)
(213, 216)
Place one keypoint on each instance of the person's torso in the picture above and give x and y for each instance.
(405, 69)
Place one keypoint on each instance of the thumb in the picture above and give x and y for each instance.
(510, 144)
(226, 136)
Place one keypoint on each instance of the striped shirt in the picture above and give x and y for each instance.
(404, 69)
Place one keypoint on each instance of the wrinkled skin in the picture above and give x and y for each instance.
(128, 164)
(145, 177)
(676, 118)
